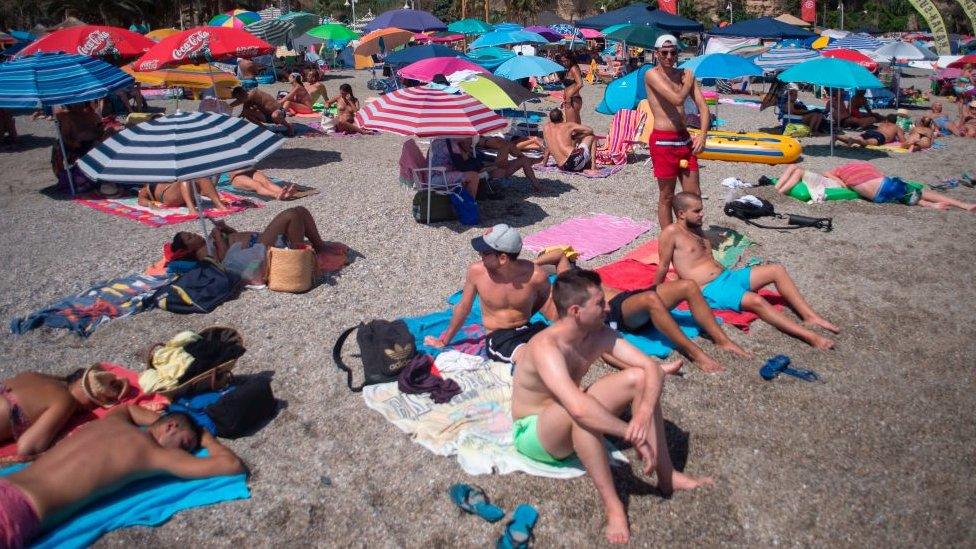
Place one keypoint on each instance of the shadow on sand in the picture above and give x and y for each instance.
(299, 159)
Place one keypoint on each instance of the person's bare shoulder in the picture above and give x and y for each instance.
(476, 272)
(669, 232)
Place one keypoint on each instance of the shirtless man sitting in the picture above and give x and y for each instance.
(571, 145)
(888, 132)
(314, 86)
(101, 458)
(259, 107)
(511, 291)
(247, 69)
(672, 148)
(684, 243)
(556, 418)
(636, 310)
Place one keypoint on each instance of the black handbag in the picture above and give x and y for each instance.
(385, 347)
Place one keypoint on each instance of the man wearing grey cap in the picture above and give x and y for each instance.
(511, 291)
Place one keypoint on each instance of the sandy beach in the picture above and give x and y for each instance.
(878, 453)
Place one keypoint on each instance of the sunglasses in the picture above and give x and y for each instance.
(668, 53)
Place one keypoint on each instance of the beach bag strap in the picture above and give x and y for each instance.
(337, 357)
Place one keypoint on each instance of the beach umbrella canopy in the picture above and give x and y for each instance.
(469, 26)
(854, 57)
(778, 59)
(158, 34)
(636, 35)
(23, 36)
(612, 28)
(425, 69)
(505, 38)
(48, 79)
(566, 29)
(202, 45)
(721, 65)
(332, 31)
(301, 21)
(861, 42)
(546, 33)
(625, 92)
(490, 58)
(414, 20)
(590, 34)
(831, 73)
(762, 27)
(93, 41)
(444, 37)
(903, 51)
(198, 77)
(640, 13)
(424, 112)
(508, 26)
(524, 66)
(822, 42)
(382, 40)
(962, 62)
(272, 31)
(179, 146)
(497, 92)
(235, 19)
(417, 53)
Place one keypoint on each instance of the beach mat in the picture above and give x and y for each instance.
(147, 502)
(134, 396)
(475, 426)
(129, 208)
(601, 172)
(223, 184)
(591, 236)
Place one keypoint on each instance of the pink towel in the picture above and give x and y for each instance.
(411, 158)
(590, 236)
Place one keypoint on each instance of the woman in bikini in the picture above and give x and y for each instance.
(34, 407)
(573, 81)
(314, 86)
(965, 125)
(921, 136)
(254, 180)
(348, 106)
(174, 195)
(298, 100)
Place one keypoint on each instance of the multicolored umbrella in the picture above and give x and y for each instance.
(414, 20)
(426, 112)
(235, 19)
(524, 66)
(332, 31)
(382, 41)
(963, 61)
(425, 69)
(469, 26)
(93, 41)
(185, 76)
(272, 31)
(860, 42)
(158, 34)
(853, 56)
(202, 45)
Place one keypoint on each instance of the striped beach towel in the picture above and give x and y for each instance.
(621, 137)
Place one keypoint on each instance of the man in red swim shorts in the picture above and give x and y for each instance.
(672, 148)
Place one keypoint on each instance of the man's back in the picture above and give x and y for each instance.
(559, 139)
(509, 302)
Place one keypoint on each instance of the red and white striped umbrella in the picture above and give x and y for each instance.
(425, 112)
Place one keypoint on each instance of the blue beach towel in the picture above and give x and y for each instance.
(147, 502)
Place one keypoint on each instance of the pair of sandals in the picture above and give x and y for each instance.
(518, 531)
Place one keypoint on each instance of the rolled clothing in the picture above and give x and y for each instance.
(578, 160)
(893, 189)
(727, 289)
(874, 134)
(526, 439)
(615, 318)
(501, 345)
(19, 522)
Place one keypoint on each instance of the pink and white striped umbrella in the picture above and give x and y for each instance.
(424, 112)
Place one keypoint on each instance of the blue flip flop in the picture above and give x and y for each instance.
(472, 499)
(518, 531)
(779, 364)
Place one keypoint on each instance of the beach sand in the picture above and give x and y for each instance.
(879, 453)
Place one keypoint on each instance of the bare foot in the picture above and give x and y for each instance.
(971, 208)
(672, 367)
(617, 530)
(817, 321)
(591, 172)
(735, 349)
(681, 482)
(820, 342)
(709, 365)
(288, 192)
(647, 456)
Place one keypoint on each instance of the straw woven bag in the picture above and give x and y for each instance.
(213, 379)
(291, 270)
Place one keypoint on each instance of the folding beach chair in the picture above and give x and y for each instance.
(620, 140)
(415, 171)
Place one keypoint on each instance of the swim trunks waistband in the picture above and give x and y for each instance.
(615, 318)
(669, 138)
(19, 522)
(501, 345)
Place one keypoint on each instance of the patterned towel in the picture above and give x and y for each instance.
(223, 185)
(590, 236)
(601, 172)
(129, 207)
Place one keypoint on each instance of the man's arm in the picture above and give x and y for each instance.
(900, 134)
(698, 143)
(665, 251)
(461, 312)
(543, 291)
(220, 461)
(41, 433)
(632, 357)
(662, 87)
(134, 414)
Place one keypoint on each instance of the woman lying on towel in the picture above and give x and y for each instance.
(174, 195)
(34, 407)
(288, 229)
(869, 182)
(254, 180)
(298, 100)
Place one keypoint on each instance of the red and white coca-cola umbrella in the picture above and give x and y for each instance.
(91, 40)
(426, 112)
(202, 45)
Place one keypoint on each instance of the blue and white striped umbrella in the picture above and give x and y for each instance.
(48, 79)
(779, 59)
(860, 42)
(272, 31)
(180, 146)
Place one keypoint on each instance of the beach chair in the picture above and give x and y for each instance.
(620, 140)
(415, 173)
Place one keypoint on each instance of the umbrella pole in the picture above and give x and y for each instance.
(200, 215)
(833, 116)
(430, 180)
(64, 155)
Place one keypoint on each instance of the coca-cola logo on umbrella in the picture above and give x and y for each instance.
(246, 51)
(194, 46)
(149, 65)
(96, 43)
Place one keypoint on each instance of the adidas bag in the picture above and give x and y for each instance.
(441, 208)
(199, 290)
(385, 347)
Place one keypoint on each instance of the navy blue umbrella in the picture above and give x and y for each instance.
(413, 20)
(641, 14)
(417, 53)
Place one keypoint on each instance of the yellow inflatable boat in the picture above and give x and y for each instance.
(761, 148)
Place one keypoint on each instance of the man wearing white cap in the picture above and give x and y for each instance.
(672, 148)
(511, 291)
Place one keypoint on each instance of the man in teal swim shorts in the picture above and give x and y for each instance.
(685, 244)
(556, 418)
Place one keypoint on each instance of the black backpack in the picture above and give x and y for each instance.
(385, 347)
(241, 411)
(441, 208)
(199, 290)
(746, 210)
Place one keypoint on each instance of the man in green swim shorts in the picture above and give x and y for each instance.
(556, 418)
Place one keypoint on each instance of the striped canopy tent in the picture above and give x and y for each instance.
(779, 59)
(859, 42)
(237, 19)
(301, 21)
(272, 31)
(180, 147)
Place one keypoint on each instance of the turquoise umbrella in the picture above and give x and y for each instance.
(505, 38)
(524, 66)
(832, 73)
(721, 65)
(469, 26)
(636, 35)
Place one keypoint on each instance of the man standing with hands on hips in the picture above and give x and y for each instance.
(672, 148)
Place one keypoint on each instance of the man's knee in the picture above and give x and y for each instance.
(299, 210)
(754, 302)
(634, 377)
(687, 287)
(652, 302)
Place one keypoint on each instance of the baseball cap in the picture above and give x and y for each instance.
(500, 238)
(903, 112)
(664, 39)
